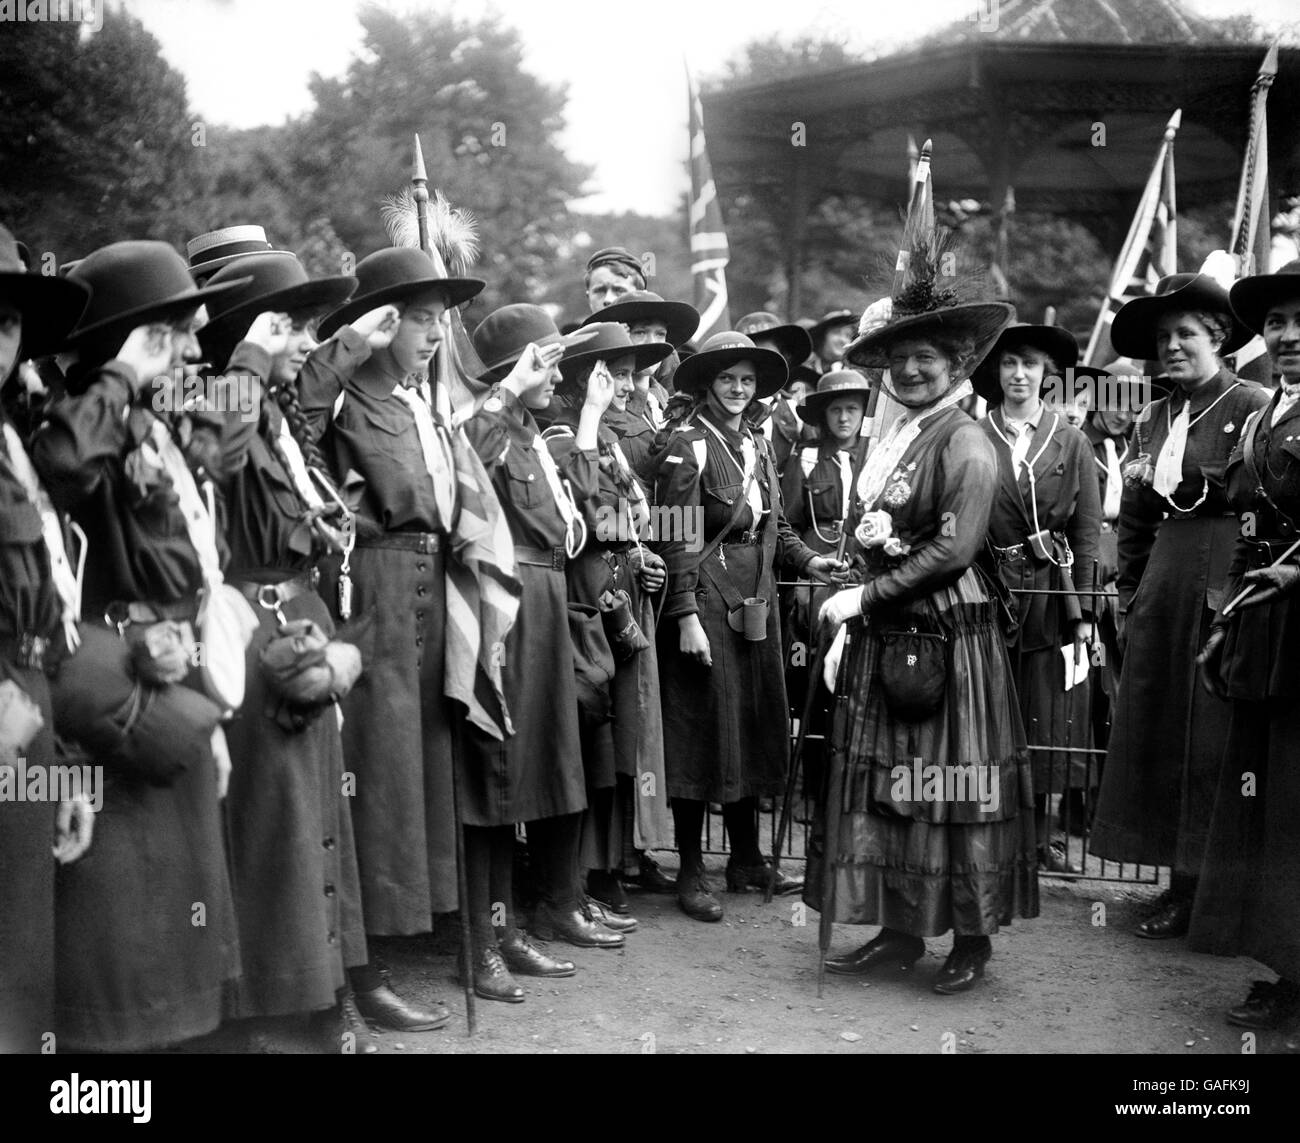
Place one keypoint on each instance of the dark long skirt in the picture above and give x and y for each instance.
(919, 861)
(726, 727)
(292, 856)
(27, 893)
(147, 951)
(1248, 899)
(1167, 734)
(537, 773)
(397, 739)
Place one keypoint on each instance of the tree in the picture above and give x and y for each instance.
(487, 126)
(95, 136)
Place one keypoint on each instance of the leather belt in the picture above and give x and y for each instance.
(426, 542)
(282, 592)
(553, 558)
(744, 538)
(122, 613)
(27, 650)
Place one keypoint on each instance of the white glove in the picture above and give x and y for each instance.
(831, 664)
(841, 607)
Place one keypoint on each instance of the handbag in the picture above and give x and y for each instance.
(913, 672)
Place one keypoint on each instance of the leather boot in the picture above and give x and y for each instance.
(890, 949)
(695, 896)
(1171, 920)
(599, 912)
(492, 980)
(652, 878)
(573, 926)
(1269, 1005)
(382, 1006)
(604, 887)
(743, 878)
(351, 1021)
(526, 959)
(964, 966)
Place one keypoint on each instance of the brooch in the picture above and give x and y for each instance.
(899, 490)
(1229, 428)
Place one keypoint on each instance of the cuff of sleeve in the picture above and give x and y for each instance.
(352, 341)
(250, 358)
(867, 598)
(681, 603)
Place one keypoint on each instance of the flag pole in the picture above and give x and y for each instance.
(442, 377)
(1254, 168)
(1138, 233)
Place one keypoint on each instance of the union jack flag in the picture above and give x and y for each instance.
(709, 253)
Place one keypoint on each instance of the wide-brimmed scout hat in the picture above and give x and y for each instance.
(49, 306)
(936, 298)
(1252, 298)
(840, 383)
(1133, 330)
(724, 349)
(833, 318)
(209, 252)
(506, 332)
(271, 284)
(609, 341)
(132, 283)
(393, 275)
(681, 320)
(1054, 340)
(793, 341)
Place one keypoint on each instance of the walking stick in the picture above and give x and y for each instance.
(796, 759)
(831, 840)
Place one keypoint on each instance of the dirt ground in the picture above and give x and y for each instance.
(1059, 983)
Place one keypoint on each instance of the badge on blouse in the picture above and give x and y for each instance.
(1229, 428)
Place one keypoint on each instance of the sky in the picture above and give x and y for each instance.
(248, 62)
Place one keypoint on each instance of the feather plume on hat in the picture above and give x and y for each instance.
(452, 231)
(925, 291)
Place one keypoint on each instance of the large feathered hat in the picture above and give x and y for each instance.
(936, 297)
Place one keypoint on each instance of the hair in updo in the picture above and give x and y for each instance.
(1216, 323)
(1050, 367)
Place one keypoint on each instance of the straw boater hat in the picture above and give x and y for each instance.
(932, 303)
(608, 342)
(680, 319)
(724, 349)
(840, 383)
(793, 341)
(393, 275)
(209, 252)
(505, 333)
(49, 306)
(271, 284)
(1057, 342)
(132, 283)
(1253, 297)
(1133, 332)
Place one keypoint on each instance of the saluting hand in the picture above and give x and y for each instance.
(148, 351)
(378, 326)
(600, 388)
(534, 369)
(270, 331)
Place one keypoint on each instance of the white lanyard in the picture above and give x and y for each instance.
(1029, 465)
(748, 469)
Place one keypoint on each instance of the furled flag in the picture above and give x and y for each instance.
(1251, 236)
(1150, 251)
(709, 254)
(482, 594)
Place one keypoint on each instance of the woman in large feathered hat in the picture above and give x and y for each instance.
(925, 687)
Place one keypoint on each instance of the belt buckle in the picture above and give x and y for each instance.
(557, 559)
(31, 651)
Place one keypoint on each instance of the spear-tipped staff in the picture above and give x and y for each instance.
(420, 193)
